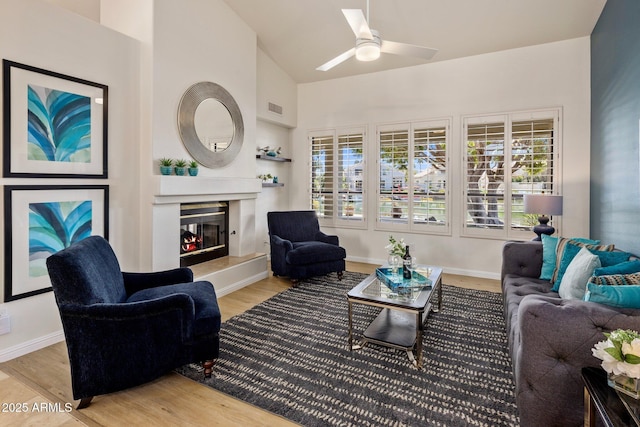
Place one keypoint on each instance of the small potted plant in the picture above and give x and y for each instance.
(193, 168)
(266, 178)
(165, 166)
(180, 166)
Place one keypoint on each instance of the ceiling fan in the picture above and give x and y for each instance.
(369, 44)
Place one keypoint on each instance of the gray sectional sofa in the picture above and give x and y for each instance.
(550, 339)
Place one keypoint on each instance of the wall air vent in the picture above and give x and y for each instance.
(275, 108)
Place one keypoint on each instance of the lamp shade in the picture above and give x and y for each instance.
(542, 204)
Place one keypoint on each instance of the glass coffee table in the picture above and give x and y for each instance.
(404, 313)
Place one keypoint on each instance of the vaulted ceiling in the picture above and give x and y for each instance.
(300, 35)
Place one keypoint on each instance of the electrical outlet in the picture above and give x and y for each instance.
(5, 324)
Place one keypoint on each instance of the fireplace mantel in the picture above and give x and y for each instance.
(172, 189)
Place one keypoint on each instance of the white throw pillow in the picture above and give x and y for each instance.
(580, 269)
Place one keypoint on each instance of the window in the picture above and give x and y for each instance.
(338, 176)
(506, 157)
(413, 177)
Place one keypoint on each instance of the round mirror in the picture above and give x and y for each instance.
(210, 124)
(214, 125)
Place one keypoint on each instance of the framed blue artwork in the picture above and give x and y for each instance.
(40, 220)
(54, 125)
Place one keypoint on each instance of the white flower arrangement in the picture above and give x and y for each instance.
(620, 353)
(396, 247)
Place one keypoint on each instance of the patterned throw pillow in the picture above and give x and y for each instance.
(566, 250)
(616, 279)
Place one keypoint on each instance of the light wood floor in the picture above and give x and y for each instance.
(41, 384)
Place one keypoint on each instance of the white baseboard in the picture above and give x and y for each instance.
(228, 279)
(448, 270)
(31, 346)
(225, 290)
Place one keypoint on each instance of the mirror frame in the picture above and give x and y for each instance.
(189, 103)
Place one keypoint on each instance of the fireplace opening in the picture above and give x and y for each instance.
(203, 232)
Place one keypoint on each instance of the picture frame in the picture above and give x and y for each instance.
(54, 125)
(40, 220)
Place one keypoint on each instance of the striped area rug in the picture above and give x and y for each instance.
(289, 356)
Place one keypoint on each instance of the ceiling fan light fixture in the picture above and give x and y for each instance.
(368, 51)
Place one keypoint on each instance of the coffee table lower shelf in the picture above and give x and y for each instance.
(395, 329)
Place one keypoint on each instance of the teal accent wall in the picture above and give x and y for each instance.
(615, 126)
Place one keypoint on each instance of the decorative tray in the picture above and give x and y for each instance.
(417, 281)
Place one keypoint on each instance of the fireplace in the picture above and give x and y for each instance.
(203, 232)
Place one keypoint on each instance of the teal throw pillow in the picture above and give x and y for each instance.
(615, 296)
(611, 258)
(567, 249)
(549, 246)
(626, 267)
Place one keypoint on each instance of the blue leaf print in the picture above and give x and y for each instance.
(58, 126)
(54, 226)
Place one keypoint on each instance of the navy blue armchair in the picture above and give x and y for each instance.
(125, 329)
(299, 249)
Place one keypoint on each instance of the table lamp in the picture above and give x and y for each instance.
(543, 205)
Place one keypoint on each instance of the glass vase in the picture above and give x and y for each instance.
(394, 262)
(624, 384)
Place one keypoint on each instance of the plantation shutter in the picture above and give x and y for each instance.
(322, 175)
(508, 156)
(485, 156)
(351, 176)
(533, 155)
(393, 164)
(429, 174)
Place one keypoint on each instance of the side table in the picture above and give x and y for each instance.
(600, 399)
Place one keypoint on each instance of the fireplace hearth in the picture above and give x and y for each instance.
(203, 232)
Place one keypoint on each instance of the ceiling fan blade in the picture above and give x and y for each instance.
(407, 49)
(358, 23)
(337, 60)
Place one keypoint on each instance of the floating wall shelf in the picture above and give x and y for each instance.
(272, 158)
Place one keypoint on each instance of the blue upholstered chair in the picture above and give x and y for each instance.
(299, 249)
(125, 329)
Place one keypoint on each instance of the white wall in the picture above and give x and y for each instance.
(272, 198)
(275, 86)
(39, 34)
(273, 130)
(550, 75)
